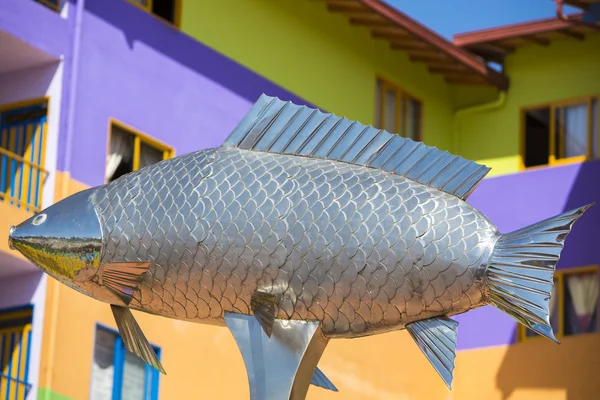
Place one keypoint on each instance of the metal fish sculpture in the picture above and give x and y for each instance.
(305, 218)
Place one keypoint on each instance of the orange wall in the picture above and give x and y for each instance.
(204, 361)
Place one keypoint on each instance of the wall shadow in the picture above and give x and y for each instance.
(140, 26)
(571, 367)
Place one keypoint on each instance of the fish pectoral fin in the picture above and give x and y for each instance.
(263, 306)
(319, 379)
(134, 338)
(436, 337)
(124, 278)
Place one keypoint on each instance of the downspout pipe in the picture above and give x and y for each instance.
(75, 57)
(496, 104)
(70, 129)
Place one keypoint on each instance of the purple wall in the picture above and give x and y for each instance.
(146, 74)
(514, 201)
(36, 25)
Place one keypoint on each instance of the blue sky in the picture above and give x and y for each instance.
(448, 17)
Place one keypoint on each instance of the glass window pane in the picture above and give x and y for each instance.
(580, 303)
(102, 366)
(576, 130)
(413, 119)
(390, 111)
(134, 377)
(149, 155)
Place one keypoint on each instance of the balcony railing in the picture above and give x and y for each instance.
(15, 348)
(21, 181)
(22, 156)
(13, 389)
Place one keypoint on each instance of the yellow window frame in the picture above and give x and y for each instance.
(139, 138)
(401, 122)
(148, 8)
(559, 277)
(552, 106)
(37, 167)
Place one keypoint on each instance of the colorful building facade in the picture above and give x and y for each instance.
(93, 89)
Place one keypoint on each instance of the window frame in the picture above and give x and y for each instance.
(18, 313)
(139, 137)
(48, 3)
(176, 13)
(400, 122)
(559, 276)
(119, 354)
(552, 106)
(41, 167)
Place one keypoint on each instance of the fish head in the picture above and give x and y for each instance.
(63, 240)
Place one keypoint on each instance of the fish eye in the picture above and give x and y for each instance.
(39, 219)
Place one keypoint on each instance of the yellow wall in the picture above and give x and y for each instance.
(538, 75)
(318, 55)
(203, 361)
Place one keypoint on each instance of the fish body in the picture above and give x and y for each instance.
(359, 249)
(301, 216)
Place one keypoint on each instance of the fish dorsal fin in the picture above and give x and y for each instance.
(280, 127)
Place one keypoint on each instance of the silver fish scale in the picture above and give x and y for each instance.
(362, 250)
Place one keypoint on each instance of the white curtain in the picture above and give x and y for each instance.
(121, 150)
(584, 295)
(576, 124)
(134, 377)
(103, 369)
(390, 112)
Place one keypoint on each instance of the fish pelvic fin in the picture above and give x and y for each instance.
(280, 127)
(436, 337)
(133, 338)
(520, 274)
(264, 307)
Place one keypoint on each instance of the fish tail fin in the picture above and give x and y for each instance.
(520, 274)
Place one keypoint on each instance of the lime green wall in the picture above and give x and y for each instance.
(567, 68)
(47, 394)
(301, 46)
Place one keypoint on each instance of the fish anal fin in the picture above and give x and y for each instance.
(134, 338)
(319, 379)
(436, 337)
(280, 127)
(123, 278)
(264, 307)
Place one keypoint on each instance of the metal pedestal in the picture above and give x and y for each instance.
(280, 367)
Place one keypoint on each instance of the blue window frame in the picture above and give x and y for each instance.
(15, 347)
(119, 374)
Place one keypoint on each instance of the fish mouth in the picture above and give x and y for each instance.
(10, 237)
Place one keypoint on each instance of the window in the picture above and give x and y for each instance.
(573, 303)
(130, 150)
(561, 132)
(52, 4)
(165, 9)
(22, 155)
(397, 111)
(15, 345)
(118, 374)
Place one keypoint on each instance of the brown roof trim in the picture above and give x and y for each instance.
(422, 44)
(515, 31)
